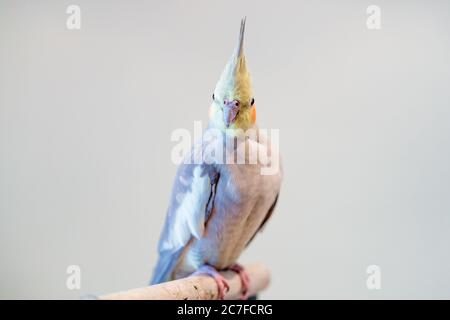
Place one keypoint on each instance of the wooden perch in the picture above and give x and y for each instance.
(201, 287)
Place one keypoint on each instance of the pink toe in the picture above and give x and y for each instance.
(245, 280)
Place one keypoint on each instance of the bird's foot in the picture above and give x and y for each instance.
(222, 283)
(245, 280)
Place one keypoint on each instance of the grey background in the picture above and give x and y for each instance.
(364, 119)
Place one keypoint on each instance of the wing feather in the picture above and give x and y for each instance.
(185, 217)
(266, 218)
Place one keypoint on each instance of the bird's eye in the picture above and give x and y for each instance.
(213, 96)
(237, 103)
(253, 101)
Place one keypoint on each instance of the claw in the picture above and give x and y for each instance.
(245, 280)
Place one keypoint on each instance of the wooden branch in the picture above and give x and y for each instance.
(201, 287)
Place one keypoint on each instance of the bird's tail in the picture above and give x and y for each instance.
(164, 267)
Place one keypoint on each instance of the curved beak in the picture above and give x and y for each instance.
(230, 111)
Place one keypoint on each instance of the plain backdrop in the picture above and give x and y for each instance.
(364, 116)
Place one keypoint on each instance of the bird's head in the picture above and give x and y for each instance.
(233, 105)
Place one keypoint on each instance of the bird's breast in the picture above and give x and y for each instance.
(242, 200)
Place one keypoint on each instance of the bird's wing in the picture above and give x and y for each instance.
(263, 140)
(188, 212)
(266, 218)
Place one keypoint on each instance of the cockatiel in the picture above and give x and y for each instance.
(216, 207)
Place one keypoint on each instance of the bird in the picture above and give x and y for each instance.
(217, 207)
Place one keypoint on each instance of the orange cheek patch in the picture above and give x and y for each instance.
(253, 114)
